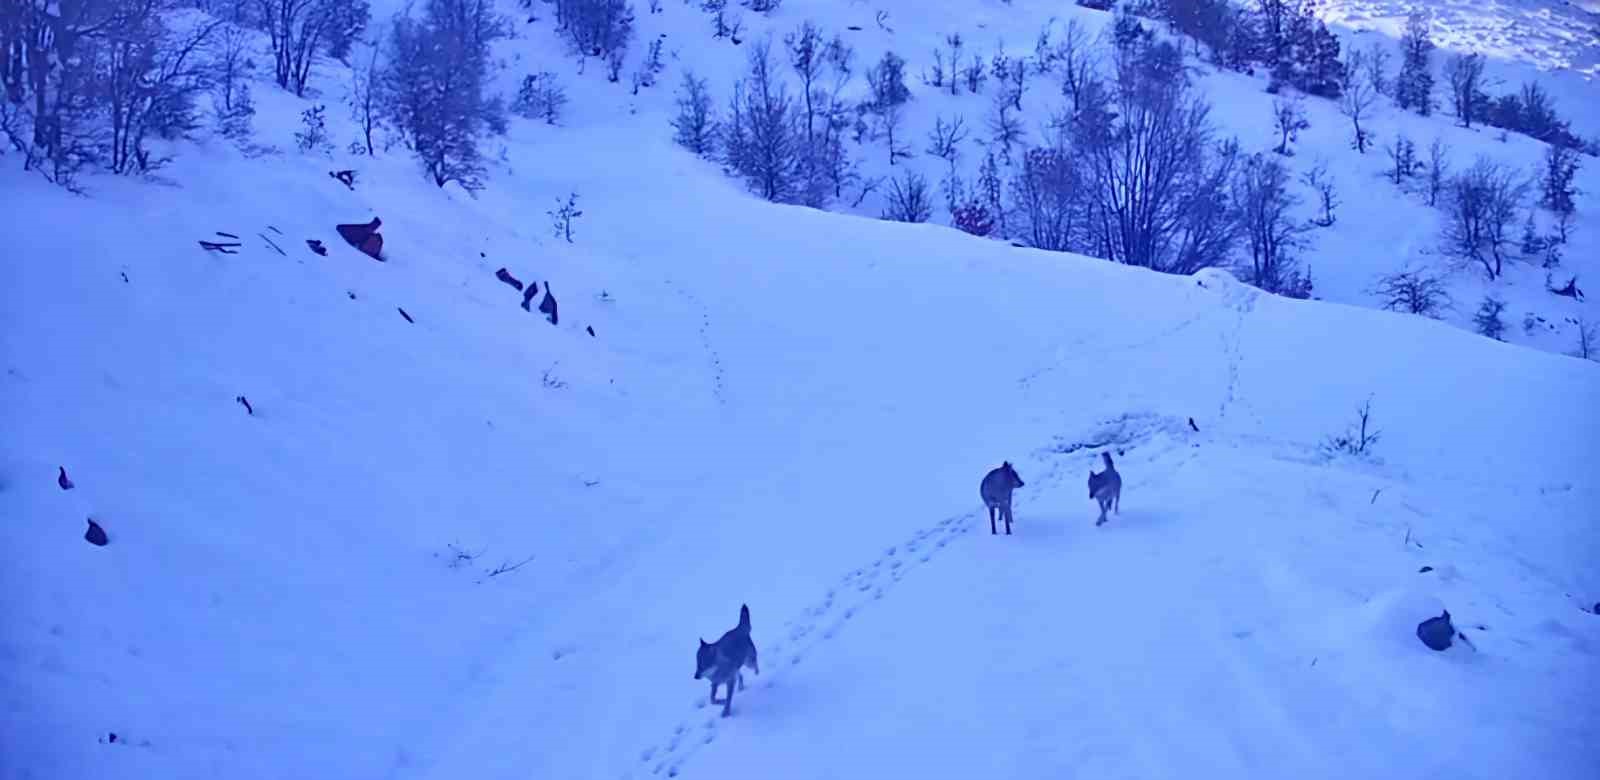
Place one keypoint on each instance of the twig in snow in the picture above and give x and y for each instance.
(275, 230)
(508, 567)
(250, 410)
(1374, 496)
(226, 248)
(226, 235)
(407, 316)
(274, 246)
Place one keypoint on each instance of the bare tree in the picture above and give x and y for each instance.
(1075, 53)
(1557, 191)
(231, 103)
(434, 89)
(1588, 340)
(1465, 74)
(1414, 292)
(696, 123)
(1318, 180)
(1288, 118)
(298, 31)
(894, 131)
(944, 142)
(366, 98)
(908, 199)
(1356, 103)
(1375, 68)
(1481, 207)
(1005, 128)
(596, 28)
(1262, 198)
(1050, 199)
(1438, 170)
(1146, 153)
(150, 79)
(760, 139)
(1402, 158)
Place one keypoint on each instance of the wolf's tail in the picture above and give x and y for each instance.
(744, 617)
(1107, 456)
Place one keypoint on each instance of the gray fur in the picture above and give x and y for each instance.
(996, 493)
(1106, 488)
(722, 661)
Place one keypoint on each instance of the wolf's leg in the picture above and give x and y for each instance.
(714, 699)
(739, 677)
(991, 520)
(1007, 511)
(1116, 501)
(727, 704)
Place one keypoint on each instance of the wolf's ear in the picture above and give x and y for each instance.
(702, 642)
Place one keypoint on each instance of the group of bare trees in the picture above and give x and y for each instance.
(97, 83)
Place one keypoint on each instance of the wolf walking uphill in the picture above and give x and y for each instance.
(723, 661)
(996, 492)
(1106, 488)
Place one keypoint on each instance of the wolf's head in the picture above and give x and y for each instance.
(704, 659)
(1011, 474)
(1095, 480)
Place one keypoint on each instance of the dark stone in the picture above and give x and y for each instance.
(1425, 570)
(95, 535)
(1437, 632)
(364, 237)
(505, 276)
(547, 306)
(316, 246)
(1597, 607)
(61, 478)
(590, 329)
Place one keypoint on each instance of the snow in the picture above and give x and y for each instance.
(781, 407)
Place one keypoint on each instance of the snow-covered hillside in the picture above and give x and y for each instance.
(460, 541)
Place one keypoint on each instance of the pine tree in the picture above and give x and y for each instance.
(1414, 86)
(1325, 71)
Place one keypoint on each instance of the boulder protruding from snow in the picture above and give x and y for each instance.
(364, 237)
(62, 480)
(95, 535)
(527, 296)
(1437, 632)
(547, 307)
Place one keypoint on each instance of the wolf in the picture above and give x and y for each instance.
(722, 661)
(1106, 487)
(996, 493)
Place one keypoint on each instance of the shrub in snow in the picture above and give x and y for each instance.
(1487, 320)
(696, 122)
(540, 97)
(313, 133)
(563, 214)
(1358, 439)
(1413, 292)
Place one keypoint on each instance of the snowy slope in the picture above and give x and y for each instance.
(780, 407)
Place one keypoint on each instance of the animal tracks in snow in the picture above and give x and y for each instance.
(819, 622)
